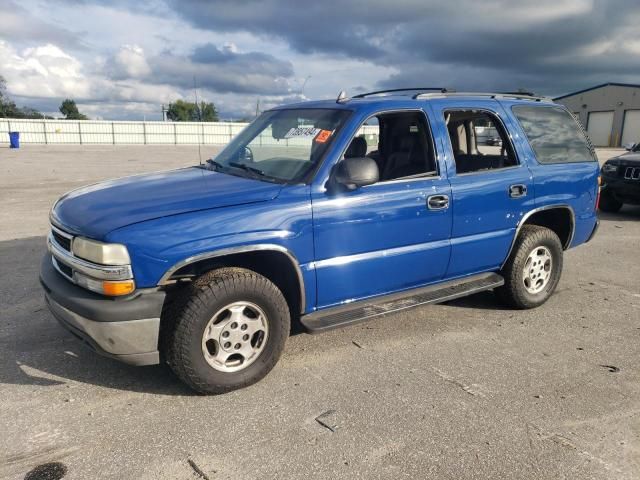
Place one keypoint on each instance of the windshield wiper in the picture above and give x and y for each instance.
(215, 164)
(247, 168)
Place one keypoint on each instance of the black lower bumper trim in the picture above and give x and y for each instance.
(145, 304)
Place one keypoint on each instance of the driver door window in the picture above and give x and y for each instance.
(399, 142)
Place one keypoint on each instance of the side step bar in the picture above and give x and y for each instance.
(343, 315)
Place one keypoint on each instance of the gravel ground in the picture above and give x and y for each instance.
(464, 390)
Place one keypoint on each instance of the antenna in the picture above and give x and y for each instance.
(195, 94)
(342, 97)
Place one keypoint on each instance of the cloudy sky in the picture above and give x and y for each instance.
(122, 60)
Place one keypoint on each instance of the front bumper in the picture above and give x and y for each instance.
(626, 191)
(126, 329)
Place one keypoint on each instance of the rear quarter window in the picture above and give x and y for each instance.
(554, 135)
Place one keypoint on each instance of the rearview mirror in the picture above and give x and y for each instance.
(628, 146)
(281, 127)
(356, 172)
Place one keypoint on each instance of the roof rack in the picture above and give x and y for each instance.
(520, 92)
(395, 90)
(519, 95)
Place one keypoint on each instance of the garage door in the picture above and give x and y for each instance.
(631, 127)
(599, 127)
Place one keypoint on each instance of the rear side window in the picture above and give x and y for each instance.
(554, 135)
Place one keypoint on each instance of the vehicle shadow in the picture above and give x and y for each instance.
(627, 213)
(482, 301)
(37, 351)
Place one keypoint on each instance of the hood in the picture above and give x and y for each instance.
(630, 158)
(96, 210)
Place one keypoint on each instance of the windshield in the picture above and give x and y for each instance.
(281, 145)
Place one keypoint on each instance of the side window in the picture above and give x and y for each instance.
(478, 141)
(399, 142)
(554, 134)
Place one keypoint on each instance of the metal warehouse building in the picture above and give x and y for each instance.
(610, 112)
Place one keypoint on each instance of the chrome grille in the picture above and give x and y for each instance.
(63, 239)
(60, 245)
(632, 173)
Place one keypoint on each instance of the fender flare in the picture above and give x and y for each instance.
(527, 215)
(265, 247)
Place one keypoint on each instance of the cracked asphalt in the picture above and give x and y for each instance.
(464, 390)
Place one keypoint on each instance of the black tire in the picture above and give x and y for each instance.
(190, 313)
(514, 292)
(609, 203)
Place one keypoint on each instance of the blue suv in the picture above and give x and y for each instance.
(322, 214)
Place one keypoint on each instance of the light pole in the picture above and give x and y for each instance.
(303, 85)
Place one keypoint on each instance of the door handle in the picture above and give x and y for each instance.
(518, 190)
(438, 202)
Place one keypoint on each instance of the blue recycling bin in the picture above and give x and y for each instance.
(14, 139)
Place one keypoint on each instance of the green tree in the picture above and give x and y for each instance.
(181, 111)
(8, 108)
(70, 110)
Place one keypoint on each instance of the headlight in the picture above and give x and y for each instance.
(609, 168)
(102, 253)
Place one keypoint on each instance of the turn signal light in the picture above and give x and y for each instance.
(118, 288)
(105, 287)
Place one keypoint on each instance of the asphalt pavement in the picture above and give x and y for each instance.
(463, 390)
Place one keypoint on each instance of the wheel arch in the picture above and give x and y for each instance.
(274, 262)
(553, 217)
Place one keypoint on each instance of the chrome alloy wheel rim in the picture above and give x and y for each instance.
(537, 270)
(235, 337)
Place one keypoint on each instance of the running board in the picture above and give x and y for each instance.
(343, 315)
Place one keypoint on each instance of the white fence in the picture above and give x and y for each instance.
(116, 133)
(126, 133)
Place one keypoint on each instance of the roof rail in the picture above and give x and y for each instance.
(520, 95)
(394, 90)
(520, 92)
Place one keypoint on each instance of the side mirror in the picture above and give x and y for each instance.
(356, 172)
(628, 146)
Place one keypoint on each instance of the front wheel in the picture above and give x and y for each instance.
(228, 331)
(533, 270)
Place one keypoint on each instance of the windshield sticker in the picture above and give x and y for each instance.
(302, 132)
(323, 136)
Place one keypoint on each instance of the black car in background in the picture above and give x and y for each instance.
(621, 181)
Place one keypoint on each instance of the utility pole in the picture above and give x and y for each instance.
(303, 85)
(257, 107)
(195, 92)
(164, 113)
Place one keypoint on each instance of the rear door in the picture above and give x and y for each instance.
(491, 187)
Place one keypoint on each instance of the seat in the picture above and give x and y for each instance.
(408, 160)
(357, 148)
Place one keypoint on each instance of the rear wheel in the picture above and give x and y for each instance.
(228, 331)
(533, 270)
(608, 203)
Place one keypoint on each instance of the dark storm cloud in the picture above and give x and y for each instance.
(223, 70)
(547, 45)
(251, 62)
(21, 27)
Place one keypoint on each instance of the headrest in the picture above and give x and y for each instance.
(357, 148)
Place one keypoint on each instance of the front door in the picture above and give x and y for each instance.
(392, 235)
